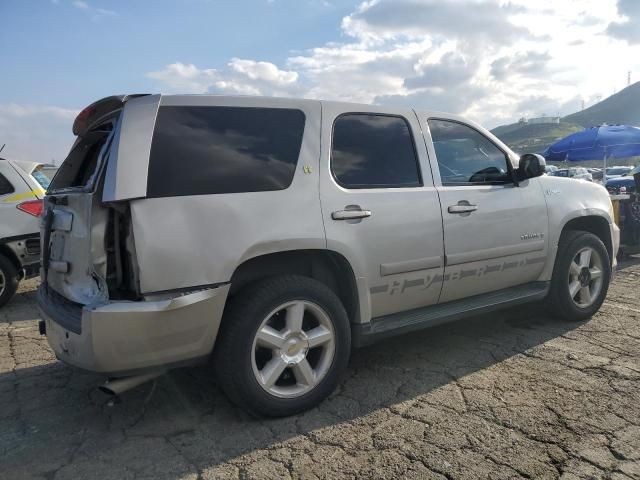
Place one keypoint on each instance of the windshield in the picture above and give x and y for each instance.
(618, 170)
(41, 178)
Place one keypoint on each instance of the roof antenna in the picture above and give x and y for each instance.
(2, 147)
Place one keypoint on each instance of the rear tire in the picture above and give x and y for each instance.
(8, 280)
(581, 276)
(283, 345)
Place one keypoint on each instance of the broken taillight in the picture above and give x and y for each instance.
(32, 207)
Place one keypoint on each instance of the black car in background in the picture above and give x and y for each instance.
(618, 185)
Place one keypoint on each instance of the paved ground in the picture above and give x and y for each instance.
(511, 395)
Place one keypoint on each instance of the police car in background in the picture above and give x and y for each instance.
(22, 188)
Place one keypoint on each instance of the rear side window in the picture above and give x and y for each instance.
(373, 151)
(5, 186)
(41, 178)
(209, 150)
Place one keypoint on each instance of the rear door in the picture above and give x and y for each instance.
(495, 232)
(76, 220)
(380, 207)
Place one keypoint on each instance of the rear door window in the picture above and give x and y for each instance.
(373, 151)
(211, 150)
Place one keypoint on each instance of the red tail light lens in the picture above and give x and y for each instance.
(32, 207)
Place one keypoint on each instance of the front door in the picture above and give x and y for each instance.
(495, 232)
(380, 206)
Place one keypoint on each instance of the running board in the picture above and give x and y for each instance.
(425, 317)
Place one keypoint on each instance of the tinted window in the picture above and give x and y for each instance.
(207, 150)
(5, 186)
(373, 151)
(79, 167)
(466, 156)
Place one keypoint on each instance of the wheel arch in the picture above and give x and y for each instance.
(595, 224)
(5, 251)
(326, 266)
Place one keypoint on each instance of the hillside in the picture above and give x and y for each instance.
(523, 138)
(620, 108)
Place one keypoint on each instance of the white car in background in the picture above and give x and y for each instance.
(22, 188)
(616, 172)
(578, 173)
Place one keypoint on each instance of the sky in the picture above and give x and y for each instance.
(493, 61)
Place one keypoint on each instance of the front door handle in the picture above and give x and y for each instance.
(462, 207)
(350, 214)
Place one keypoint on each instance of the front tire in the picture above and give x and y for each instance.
(283, 346)
(581, 276)
(8, 280)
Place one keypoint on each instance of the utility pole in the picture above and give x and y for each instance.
(628, 78)
(582, 104)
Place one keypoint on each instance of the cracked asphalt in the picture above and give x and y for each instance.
(508, 395)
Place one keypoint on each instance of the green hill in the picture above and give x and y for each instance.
(524, 138)
(620, 108)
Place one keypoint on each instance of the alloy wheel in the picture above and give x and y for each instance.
(293, 349)
(585, 277)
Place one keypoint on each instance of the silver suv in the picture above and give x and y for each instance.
(273, 235)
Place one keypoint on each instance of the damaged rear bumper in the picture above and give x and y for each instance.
(124, 338)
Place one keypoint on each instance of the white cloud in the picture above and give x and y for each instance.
(39, 133)
(263, 71)
(241, 76)
(96, 13)
(186, 78)
(477, 20)
(493, 60)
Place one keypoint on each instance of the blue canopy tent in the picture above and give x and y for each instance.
(596, 143)
(604, 143)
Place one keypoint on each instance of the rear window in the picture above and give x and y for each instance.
(209, 150)
(41, 178)
(79, 167)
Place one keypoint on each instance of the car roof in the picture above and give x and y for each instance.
(27, 166)
(345, 105)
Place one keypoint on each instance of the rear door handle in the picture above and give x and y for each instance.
(462, 208)
(350, 214)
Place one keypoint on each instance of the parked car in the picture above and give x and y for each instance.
(575, 173)
(596, 174)
(615, 172)
(550, 169)
(22, 187)
(273, 235)
(622, 184)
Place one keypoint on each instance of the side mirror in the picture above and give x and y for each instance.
(531, 165)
